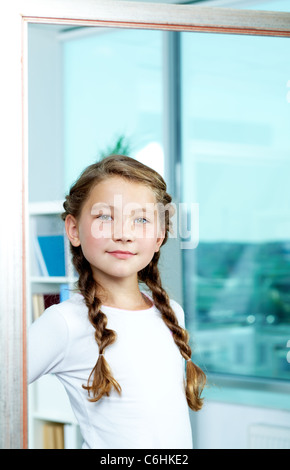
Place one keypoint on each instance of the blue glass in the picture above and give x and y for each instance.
(236, 166)
(268, 5)
(112, 83)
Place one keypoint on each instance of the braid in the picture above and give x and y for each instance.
(100, 381)
(195, 376)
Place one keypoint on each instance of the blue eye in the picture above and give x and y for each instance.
(105, 217)
(141, 220)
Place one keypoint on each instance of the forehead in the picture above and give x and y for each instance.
(115, 187)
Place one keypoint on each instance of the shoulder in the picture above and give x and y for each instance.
(53, 336)
(71, 313)
(73, 310)
(176, 307)
(179, 312)
(74, 305)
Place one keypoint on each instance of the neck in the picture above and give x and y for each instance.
(122, 293)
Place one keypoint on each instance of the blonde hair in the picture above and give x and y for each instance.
(101, 381)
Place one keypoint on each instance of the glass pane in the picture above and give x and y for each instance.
(236, 166)
(267, 5)
(112, 90)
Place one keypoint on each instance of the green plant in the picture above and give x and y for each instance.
(120, 146)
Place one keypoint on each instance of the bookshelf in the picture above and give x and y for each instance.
(52, 424)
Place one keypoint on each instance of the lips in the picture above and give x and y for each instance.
(121, 254)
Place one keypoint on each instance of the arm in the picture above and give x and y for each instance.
(47, 341)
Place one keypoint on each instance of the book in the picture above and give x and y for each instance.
(37, 305)
(50, 253)
(40, 302)
(64, 292)
(53, 435)
(39, 266)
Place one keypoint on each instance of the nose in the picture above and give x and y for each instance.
(123, 230)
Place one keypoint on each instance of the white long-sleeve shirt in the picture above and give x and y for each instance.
(152, 411)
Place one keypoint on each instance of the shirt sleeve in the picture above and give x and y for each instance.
(179, 312)
(47, 343)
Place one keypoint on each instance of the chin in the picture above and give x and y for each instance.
(121, 273)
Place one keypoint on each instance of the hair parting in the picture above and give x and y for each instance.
(101, 381)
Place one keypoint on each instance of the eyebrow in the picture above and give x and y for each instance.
(143, 209)
(100, 205)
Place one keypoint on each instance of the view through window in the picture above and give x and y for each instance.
(236, 166)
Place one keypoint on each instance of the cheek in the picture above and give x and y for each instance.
(91, 238)
(146, 232)
(149, 245)
(92, 248)
(149, 237)
(100, 230)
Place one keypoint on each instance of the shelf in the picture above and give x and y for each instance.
(53, 280)
(46, 208)
(47, 397)
(56, 418)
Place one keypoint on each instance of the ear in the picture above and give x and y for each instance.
(71, 228)
(159, 240)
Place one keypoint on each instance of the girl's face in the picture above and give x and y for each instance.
(118, 229)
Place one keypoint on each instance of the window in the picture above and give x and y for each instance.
(112, 89)
(236, 166)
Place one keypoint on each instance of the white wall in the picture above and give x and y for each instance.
(45, 115)
(226, 426)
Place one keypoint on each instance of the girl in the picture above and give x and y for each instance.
(118, 351)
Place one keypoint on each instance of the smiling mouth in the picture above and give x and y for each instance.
(121, 254)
